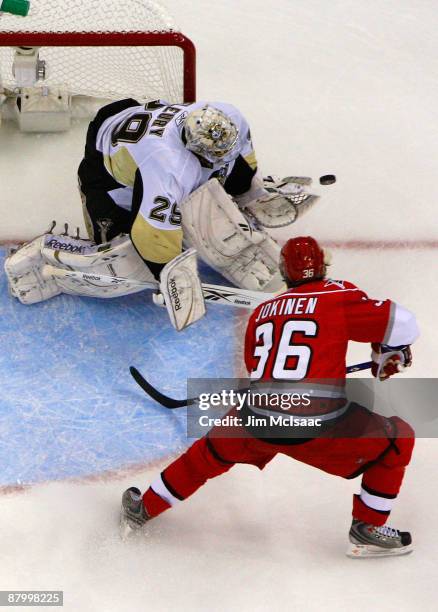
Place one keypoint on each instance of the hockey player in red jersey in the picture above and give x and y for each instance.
(298, 340)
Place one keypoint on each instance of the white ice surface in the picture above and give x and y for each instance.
(249, 540)
(340, 86)
(343, 87)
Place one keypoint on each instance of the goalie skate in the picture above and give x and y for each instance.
(371, 541)
(132, 514)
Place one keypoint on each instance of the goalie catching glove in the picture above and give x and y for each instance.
(275, 202)
(389, 360)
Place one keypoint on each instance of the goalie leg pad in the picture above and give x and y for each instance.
(115, 258)
(24, 268)
(181, 288)
(24, 273)
(224, 239)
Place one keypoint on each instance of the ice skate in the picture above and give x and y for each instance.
(370, 541)
(133, 514)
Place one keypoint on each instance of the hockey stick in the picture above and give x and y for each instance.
(171, 403)
(215, 294)
(366, 365)
(164, 400)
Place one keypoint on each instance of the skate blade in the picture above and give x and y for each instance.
(125, 528)
(361, 551)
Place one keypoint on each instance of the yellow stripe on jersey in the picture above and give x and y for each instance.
(122, 166)
(158, 246)
(251, 160)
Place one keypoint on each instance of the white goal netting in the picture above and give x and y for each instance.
(103, 55)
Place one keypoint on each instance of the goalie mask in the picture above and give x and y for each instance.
(210, 133)
(302, 260)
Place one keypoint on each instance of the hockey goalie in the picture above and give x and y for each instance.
(157, 179)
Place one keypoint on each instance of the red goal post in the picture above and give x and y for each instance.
(113, 39)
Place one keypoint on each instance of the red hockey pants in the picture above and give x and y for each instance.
(381, 454)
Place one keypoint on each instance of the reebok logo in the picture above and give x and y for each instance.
(174, 294)
(57, 245)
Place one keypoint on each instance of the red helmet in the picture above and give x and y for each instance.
(302, 260)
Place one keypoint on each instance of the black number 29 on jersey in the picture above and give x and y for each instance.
(132, 130)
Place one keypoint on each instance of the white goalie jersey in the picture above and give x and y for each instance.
(144, 151)
(187, 174)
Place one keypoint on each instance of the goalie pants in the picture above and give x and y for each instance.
(103, 218)
(381, 459)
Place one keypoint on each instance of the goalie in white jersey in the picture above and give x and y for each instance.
(142, 162)
(156, 176)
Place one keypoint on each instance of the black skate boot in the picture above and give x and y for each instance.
(370, 541)
(133, 514)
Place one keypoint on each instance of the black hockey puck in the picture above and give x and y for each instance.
(327, 179)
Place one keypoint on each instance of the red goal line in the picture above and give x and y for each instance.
(352, 245)
(362, 245)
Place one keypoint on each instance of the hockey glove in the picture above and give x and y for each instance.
(284, 202)
(181, 288)
(389, 360)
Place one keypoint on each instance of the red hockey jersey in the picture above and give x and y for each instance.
(304, 332)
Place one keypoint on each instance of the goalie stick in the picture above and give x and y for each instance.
(213, 294)
(171, 403)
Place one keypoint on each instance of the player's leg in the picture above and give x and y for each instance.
(186, 475)
(175, 483)
(207, 458)
(382, 478)
(104, 219)
(382, 459)
(381, 482)
(30, 283)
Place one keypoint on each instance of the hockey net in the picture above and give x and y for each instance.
(102, 49)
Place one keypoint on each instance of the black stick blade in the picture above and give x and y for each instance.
(164, 400)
